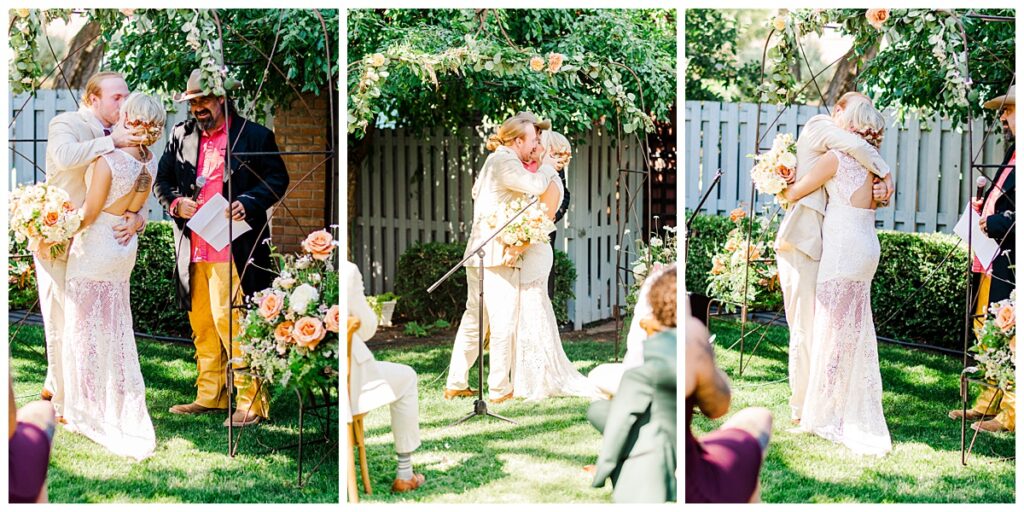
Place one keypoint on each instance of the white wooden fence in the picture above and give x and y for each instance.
(929, 158)
(32, 117)
(418, 189)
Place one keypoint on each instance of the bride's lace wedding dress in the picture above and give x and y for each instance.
(105, 396)
(541, 368)
(844, 393)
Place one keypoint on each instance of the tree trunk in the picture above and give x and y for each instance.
(848, 70)
(84, 62)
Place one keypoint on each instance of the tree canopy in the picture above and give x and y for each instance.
(457, 67)
(156, 50)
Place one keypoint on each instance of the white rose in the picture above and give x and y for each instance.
(788, 159)
(300, 298)
(639, 270)
(656, 242)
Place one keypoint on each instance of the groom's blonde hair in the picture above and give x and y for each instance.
(860, 116)
(144, 113)
(512, 129)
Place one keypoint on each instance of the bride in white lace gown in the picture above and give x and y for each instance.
(844, 392)
(540, 368)
(105, 395)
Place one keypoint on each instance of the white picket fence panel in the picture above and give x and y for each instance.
(929, 159)
(418, 189)
(32, 117)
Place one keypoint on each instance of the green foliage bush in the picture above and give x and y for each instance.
(422, 264)
(911, 300)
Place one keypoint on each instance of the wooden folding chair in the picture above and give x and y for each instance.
(355, 430)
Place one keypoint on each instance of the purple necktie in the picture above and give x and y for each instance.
(106, 132)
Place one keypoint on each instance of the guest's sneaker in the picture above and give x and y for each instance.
(46, 394)
(193, 408)
(501, 399)
(408, 485)
(243, 419)
(454, 393)
(972, 415)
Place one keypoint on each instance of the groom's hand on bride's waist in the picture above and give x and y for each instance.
(131, 226)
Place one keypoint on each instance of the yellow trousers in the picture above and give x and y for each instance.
(992, 400)
(210, 317)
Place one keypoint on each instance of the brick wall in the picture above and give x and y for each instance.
(300, 129)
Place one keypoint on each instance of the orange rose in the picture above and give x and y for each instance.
(333, 319)
(754, 253)
(738, 214)
(717, 266)
(308, 332)
(283, 332)
(270, 305)
(554, 62)
(787, 173)
(67, 206)
(1005, 318)
(51, 218)
(536, 63)
(320, 244)
(876, 17)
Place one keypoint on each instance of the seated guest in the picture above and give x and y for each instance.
(378, 383)
(607, 376)
(638, 448)
(723, 466)
(29, 436)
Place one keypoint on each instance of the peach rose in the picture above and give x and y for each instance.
(737, 214)
(754, 253)
(377, 60)
(333, 319)
(787, 173)
(308, 332)
(270, 305)
(1005, 318)
(320, 244)
(536, 63)
(51, 218)
(731, 245)
(876, 17)
(555, 62)
(779, 22)
(283, 332)
(717, 266)
(67, 206)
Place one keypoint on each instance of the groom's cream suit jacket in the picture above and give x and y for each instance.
(75, 141)
(801, 227)
(503, 179)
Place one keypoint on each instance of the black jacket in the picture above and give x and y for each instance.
(257, 181)
(1001, 228)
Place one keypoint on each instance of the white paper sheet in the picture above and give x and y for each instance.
(984, 247)
(211, 223)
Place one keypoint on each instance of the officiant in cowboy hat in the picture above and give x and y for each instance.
(193, 170)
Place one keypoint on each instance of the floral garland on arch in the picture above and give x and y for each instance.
(289, 334)
(478, 56)
(727, 277)
(995, 346)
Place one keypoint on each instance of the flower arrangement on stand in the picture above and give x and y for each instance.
(995, 346)
(773, 169)
(650, 257)
(730, 271)
(289, 334)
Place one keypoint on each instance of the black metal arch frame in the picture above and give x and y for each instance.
(965, 448)
(329, 161)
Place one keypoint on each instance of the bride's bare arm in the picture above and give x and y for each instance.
(97, 192)
(820, 173)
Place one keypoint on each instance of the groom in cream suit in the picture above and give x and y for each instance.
(798, 243)
(75, 140)
(503, 178)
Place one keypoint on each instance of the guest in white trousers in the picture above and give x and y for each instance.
(378, 383)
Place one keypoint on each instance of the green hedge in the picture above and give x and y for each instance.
(933, 316)
(422, 264)
(154, 303)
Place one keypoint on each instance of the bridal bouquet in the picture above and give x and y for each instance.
(730, 270)
(43, 213)
(532, 227)
(995, 345)
(289, 334)
(772, 169)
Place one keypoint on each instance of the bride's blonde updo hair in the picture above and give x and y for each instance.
(144, 115)
(510, 130)
(556, 144)
(861, 117)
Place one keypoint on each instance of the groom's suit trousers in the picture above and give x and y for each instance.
(798, 274)
(498, 321)
(51, 280)
(210, 317)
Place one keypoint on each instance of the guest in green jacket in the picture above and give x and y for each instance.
(638, 449)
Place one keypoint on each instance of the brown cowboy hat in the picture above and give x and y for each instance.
(534, 120)
(1010, 98)
(193, 89)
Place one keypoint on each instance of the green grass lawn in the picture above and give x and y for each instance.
(924, 466)
(484, 459)
(191, 463)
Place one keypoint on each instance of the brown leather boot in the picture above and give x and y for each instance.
(408, 485)
(453, 393)
(193, 408)
(242, 418)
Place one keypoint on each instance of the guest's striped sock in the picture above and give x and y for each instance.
(404, 466)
